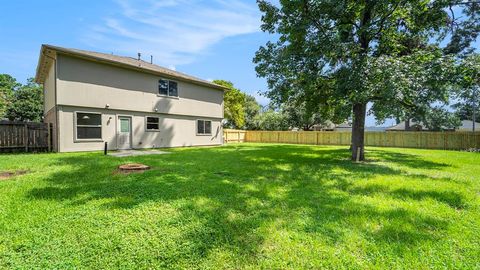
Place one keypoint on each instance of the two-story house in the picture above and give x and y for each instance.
(92, 98)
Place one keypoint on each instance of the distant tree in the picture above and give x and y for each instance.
(252, 110)
(272, 120)
(27, 103)
(8, 85)
(234, 100)
(464, 110)
(298, 115)
(339, 51)
(438, 119)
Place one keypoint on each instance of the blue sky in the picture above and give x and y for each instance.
(214, 39)
(209, 39)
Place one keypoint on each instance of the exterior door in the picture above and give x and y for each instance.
(124, 134)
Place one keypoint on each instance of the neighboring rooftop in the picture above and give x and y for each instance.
(414, 126)
(48, 52)
(467, 125)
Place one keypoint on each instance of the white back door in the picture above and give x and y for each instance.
(124, 133)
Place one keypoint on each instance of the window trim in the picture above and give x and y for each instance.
(75, 126)
(204, 120)
(168, 90)
(146, 124)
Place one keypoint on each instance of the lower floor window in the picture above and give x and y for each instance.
(204, 127)
(153, 123)
(88, 126)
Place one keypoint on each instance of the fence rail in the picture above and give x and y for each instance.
(25, 137)
(429, 140)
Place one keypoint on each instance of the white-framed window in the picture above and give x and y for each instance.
(167, 88)
(204, 127)
(152, 123)
(88, 126)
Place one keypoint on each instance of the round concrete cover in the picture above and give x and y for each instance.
(133, 167)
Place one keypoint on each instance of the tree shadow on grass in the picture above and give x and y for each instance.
(453, 199)
(407, 160)
(232, 193)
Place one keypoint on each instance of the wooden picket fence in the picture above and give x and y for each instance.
(412, 139)
(25, 137)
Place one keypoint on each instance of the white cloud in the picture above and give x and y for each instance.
(174, 31)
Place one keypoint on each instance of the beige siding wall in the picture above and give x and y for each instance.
(50, 117)
(88, 84)
(49, 90)
(174, 130)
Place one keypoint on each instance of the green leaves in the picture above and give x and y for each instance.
(468, 94)
(382, 52)
(8, 85)
(26, 103)
(234, 100)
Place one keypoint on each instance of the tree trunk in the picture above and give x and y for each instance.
(407, 123)
(360, 109)
(358, 131)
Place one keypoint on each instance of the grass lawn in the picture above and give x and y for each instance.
(243, 206)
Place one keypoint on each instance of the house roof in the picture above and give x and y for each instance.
(48, 53)
(344, 125)
(467, 125)
(401, 125)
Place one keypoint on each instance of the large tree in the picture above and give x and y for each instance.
(27, 103)
(234, 100)
(349, 53)
(8, 85)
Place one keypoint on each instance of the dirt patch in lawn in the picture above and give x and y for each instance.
(8, 175)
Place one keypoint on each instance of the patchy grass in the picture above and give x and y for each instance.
(243, 206)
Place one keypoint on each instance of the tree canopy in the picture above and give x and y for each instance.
(272, 120)
(234, 100)
(26, 103)
(252, 110)
(344, 54)
(8, 85)
(469, 88)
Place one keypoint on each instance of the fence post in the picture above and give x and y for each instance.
(25, 136)
(238, 136)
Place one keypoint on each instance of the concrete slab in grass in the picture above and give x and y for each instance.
(132, 153)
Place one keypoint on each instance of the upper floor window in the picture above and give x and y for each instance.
(168, 88)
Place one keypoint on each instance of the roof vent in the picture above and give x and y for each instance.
(139, 56)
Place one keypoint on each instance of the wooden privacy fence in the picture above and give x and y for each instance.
(25, 137)
(232, 135)
(429, 140)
